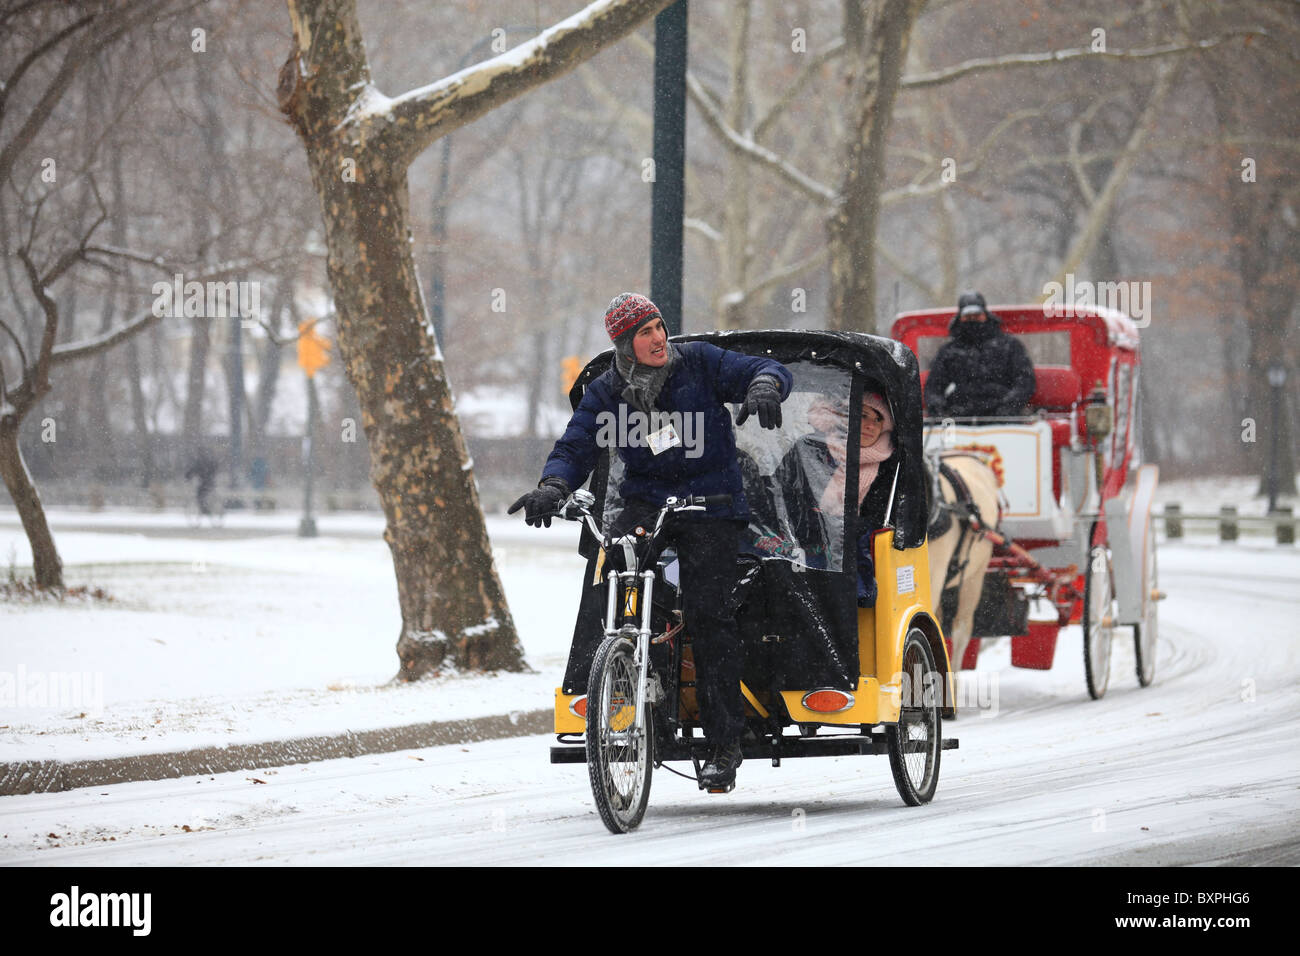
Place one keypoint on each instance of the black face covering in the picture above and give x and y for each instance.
(968, 331)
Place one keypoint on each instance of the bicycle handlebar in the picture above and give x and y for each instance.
(578, 507)
(711, 501)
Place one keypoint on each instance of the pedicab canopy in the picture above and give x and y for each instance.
(798, 607)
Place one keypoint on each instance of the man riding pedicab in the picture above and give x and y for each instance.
(662, 382)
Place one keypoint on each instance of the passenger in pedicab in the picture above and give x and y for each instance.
(981, 371)
(651, 375)
(815, 470)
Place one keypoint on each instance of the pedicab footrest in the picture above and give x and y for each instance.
(568, 754)
(844, 745)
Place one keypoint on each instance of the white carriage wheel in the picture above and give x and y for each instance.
(1098, 620)
(1146, 631)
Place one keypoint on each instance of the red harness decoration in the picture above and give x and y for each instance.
(989, 455)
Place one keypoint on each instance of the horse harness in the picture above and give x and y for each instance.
(968, 518)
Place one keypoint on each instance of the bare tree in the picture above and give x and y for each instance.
(53, 45)
(878, 34)
(359, 144)
(1262, 202)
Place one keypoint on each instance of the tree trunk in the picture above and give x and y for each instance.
(268, 376)
(453, 608)
(454, 611)
(18, 481)
(192, 423)
(144, 447)
(885, 29)
(219, 168)
(104, 448)
(236, 400)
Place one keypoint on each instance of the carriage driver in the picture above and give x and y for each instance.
(981, 371)
(652, 375)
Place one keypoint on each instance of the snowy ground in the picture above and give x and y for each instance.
(1201, 767)
(214, 639)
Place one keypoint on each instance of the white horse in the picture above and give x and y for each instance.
(972, 550)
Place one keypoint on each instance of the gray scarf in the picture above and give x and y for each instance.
(643, 381)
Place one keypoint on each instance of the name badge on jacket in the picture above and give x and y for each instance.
(663, 439)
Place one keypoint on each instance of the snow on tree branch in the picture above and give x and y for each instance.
(1016, 60)
(745, 145)
(412, 121)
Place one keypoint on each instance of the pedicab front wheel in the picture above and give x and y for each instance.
(619, 757)
(916, 741)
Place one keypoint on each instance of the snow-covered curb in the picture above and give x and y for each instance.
(44, 776)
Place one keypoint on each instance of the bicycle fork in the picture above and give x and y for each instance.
(645, 595)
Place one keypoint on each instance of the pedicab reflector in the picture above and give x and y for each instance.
(827, 701)
(578, 707)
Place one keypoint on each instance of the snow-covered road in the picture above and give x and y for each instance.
(1202, 767)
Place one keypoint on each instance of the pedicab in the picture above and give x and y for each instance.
(822, 676)
(1076, 530)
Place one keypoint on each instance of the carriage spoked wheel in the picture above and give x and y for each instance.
(619, 757)
(916, 741)
(1098, 620)
(1145, 631)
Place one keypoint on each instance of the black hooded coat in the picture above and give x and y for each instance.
(981, 371)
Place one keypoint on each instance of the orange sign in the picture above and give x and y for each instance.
(572, 366)
(313, 348)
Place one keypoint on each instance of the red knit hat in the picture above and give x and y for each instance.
(628, 312)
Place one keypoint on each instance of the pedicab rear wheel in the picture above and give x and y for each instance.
(1098, 621)
(619, 756)
(916, 742)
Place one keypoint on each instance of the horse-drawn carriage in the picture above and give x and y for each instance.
(1075, 528)
(822, 675)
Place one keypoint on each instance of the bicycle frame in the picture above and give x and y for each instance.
(629, 596)
(645, 595)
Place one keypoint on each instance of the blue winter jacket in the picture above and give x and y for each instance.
(704, 463)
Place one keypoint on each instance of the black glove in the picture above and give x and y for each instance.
(764, 400)
(541, 505)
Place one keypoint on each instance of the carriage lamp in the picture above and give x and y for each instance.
(1099, 416)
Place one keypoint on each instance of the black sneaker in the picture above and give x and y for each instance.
(719, 773)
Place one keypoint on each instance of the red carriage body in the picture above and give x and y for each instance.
(1070, 469)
